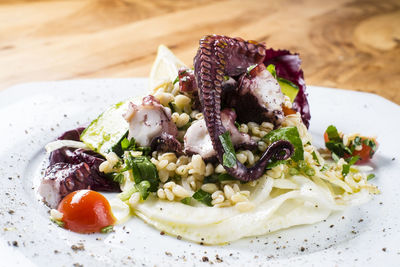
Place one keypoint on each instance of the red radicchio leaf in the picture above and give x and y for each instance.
(287, 66)
(67, 159)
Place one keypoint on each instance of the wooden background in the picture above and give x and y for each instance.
(351, 44)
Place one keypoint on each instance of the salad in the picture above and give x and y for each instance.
(210, 154)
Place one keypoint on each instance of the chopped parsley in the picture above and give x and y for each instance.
(274, 163)
(142, 188)
(203, 197)
(335, 144)
(324, 168)
(215, 178)
(290, 134)
(314, 155)
(126, 145)
(107, 229)
(59, 223)
(346, 167)
(370, 176)
(187, 201)
(301, 167)
(117, 177)
(176, 80)
(143, 170)
(173, 107)
(229, 157)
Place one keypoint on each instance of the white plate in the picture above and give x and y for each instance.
(33, 114)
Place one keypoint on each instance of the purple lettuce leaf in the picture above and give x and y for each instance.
(287, 66)
(72, 134)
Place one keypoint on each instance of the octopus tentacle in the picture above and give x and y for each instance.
(280, 150)
(218, 56)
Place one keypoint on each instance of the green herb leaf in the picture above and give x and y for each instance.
(143, 189)
(176, 80)
(143, 170)
(226, 78)
(59, 223)
(274, 163)
(117, 147)
(117, 177)
(212, 179)
(229, 160)
(370, 176)
(203, 197)
(302, 165)
(309, 171)
(335, 143)
(271, 69)
(293, 171)
(146, 150)
(187, 201)
(333, 134)
(173, 107)
(215, 178)
(350, 162)
(225, 177)
(107, 229)
(324, 168)
(125, 144)
(229, 157)
(314, 155)
(290, 134)
(357, 141)
(338, 148)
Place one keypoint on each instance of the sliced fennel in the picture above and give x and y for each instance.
(50, 147)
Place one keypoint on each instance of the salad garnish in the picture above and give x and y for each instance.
(209, 150)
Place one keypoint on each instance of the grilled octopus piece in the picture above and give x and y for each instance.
(73, 169)
(220, 56)
(198, 141)
(151, 125)
(258, 97)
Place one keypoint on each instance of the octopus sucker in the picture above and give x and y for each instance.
(230, 57)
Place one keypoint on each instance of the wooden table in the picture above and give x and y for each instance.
(350, 44)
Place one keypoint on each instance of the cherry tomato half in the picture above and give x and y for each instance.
(365, 152)
(288, 111)
(326, 138)
(86, 211)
